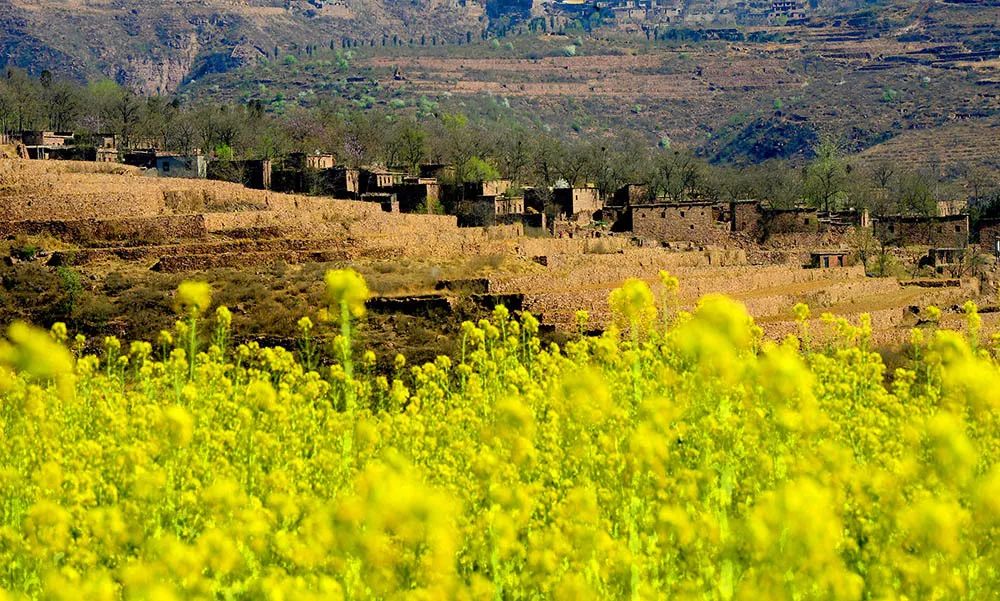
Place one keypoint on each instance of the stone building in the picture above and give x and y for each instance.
(677, 222)
(631, 194)
(379, 180)
(988, 234)
(316, 161)
(343, 182)
(576, 201)
(387, 200)
(46, 138)
(745, 216)
(943, 232)
(825, 259)
(418, 194)
(175, 165)
(797, 220)
(486, 211)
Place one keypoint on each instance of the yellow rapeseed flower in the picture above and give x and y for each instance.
(347, 287)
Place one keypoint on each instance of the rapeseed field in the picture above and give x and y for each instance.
(679, 455)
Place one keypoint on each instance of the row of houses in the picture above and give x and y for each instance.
(564, 211)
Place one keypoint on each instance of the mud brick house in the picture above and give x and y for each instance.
(677, 222)
(631, 194)
(316, 161)
(947, 208)
(577, 201)
(988, 233)
(342, 182)
(490, 210)
(455, 197)
(940, 258)
(106, 155)
(797, 220)
(495, 187)
(843, 220)
(175, 165)
(46, 138)
(379, 180)
(943, 232)
(418, 194)
(744, 216)
(825, 259)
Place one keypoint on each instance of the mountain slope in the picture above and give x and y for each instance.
(155, 46)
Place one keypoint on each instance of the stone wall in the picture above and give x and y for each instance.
(133, 231)
(988, 233)
(939, 232)
(693, 222)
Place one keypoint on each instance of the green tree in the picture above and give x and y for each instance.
(826, 177)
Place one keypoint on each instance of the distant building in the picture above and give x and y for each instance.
(343, 182)
(631, 194)
(677, 222)
(379, 180)
(418, 194)
(943, 232)
(825, 259)
(576, 201)
(316, 161)
(485, 211)
(46, 138)
(947, 208)
(174, 165)
(797, 220)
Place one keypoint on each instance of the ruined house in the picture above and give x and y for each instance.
(316, 161)
(825, 259)
(944, 232)
(677, 222)
(796, 220)
(744, 216)
(631, 194)
(941, 258)
(387, 200)
(47, 138)
(418, 194)
(379, 180)
(988, 234)
(572, 202)
(486, 211)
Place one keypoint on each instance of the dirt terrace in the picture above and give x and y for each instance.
(123, 221)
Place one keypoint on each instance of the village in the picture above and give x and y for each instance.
(944, 242)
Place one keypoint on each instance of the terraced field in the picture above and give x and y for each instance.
(153, 231)
(948, 147)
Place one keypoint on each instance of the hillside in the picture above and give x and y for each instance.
(156, 46)
(770, 92)
(740, 95)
